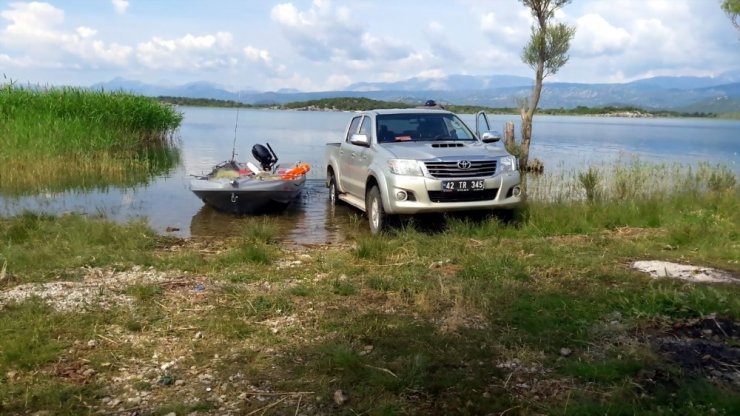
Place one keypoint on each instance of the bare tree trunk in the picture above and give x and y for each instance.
(527, 114)
(510, 138)
(526, 139)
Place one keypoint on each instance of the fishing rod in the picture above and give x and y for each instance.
(233, 147)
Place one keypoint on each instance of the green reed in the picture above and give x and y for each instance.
(63, 138)
(635, 180)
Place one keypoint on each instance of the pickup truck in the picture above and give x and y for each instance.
(421, 160)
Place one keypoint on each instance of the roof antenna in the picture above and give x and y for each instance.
(233, 148)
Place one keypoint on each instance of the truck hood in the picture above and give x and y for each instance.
(436, 150)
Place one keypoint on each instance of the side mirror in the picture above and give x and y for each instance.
(359, 140)
(491, 136)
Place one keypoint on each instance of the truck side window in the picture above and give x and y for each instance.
(352, 128)
(367, 128)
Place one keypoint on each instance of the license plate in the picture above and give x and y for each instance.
(463, 185)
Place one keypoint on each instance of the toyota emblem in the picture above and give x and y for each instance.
(464, 164)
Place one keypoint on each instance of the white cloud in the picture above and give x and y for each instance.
(97, 50)
(338, 81)
(257, 55)
(512, 34)
(10, 61)
(384, 48)
(442, 47)
(86, 32)
(431, 73)
(595, 36)
(31, 23)
(120, 6)
(324, 33)
(287, 15)
(35, 33)
(318, 33)
(642, 38)
(188, 52)
(293, 81)
(261, 61)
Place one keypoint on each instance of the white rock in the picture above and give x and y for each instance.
(340, 398)
(663, 269)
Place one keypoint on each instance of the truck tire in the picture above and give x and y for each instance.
(333, 191)
(376, 215)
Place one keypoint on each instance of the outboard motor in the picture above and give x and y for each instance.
(265, 155)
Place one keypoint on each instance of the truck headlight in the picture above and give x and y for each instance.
(405, 167)
(507, 164)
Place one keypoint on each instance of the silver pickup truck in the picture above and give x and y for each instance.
(411, 161)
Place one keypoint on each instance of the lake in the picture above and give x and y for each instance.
(207, 135)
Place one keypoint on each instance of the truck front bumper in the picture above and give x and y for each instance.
(416, 194)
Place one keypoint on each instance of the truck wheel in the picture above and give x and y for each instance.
(375, 213)
(333, 191)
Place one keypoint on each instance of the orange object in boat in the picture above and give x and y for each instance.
(296, 171)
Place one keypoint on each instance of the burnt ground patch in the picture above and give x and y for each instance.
(708, 348)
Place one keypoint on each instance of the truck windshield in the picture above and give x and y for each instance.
(421, 127)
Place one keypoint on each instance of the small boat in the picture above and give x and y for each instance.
(244, 188)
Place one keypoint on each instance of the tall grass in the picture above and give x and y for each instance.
(630, 181)
(61, 138)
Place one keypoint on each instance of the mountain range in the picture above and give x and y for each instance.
(720, 94)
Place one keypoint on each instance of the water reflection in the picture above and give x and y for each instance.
(61, 173)
(310, 219)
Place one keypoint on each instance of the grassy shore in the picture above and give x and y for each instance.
(80, 139)
(539, 315)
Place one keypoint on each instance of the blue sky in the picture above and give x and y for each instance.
(316, 45)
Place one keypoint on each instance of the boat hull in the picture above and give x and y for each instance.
(248, 197)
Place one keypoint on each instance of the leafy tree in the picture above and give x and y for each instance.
(546, 53)
(732, 8)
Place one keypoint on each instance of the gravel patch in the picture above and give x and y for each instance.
(99, 288)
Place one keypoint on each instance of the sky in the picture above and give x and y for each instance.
(320, 45)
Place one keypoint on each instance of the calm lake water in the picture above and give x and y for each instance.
(207, 136)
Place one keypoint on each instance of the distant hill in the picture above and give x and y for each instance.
(448, 83)
(699, 94)
(199, 89)
(687, 83)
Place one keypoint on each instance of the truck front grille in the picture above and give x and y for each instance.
(452, 169)
(470, 196)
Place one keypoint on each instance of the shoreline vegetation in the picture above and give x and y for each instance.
(361, 104)
(471, 315)
(71, 138)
